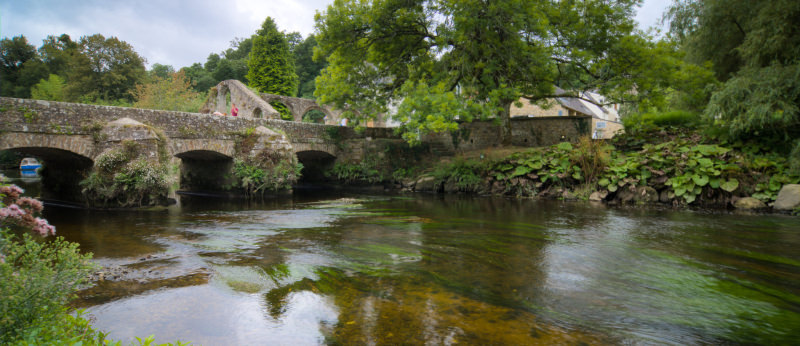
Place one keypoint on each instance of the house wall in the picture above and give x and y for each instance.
(537, 111)
(611, 128)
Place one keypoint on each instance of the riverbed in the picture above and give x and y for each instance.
(329, 267)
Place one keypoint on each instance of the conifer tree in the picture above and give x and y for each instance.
(271, 65)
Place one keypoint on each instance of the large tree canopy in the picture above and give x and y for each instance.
(104, 68)
(461, 59)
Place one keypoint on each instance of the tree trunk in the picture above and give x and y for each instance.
(505, 125)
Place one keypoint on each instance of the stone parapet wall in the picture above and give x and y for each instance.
(525, 132)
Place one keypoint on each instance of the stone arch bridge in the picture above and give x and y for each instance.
(258, 105)
(70, 137)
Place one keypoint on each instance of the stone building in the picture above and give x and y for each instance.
(605, 117)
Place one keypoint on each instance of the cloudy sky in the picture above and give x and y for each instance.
(178, 32)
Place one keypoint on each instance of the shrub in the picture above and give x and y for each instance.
(125, 178)
(649, 121)
(364, 171)
(36, 278)
(467, 175)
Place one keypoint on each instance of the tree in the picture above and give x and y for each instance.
(201, 79)
(56, 53)
(162, 71)
(271, 66)
(212, 61)
(173, 93)
(50, 89)
(464, 60)
(104, 69)
(20, 67)
(306, 67)
(754, 48)
(224, 71)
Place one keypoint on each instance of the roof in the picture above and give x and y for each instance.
(588, 103)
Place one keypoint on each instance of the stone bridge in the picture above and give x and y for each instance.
(70, 137)
(258, 105)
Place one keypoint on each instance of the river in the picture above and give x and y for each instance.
(346, 268)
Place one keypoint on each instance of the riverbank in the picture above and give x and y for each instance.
(676, 167)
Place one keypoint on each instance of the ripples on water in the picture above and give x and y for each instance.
(429, 269)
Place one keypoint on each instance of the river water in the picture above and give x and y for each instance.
(344, 268)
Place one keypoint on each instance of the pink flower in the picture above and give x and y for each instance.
(30, 204)
(43, 228)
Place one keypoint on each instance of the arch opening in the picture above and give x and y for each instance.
(315, 164)
(258, 114)
(314, 116)
(204, 171)
(61, 173)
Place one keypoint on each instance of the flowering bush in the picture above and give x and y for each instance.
(21, 211)
(37, 278)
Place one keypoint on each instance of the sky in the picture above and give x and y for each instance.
(179, 32)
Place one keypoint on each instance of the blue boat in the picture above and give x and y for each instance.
(29, 164)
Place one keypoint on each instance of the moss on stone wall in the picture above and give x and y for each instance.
(260, 166)
(124, 177)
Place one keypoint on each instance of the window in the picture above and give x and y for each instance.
(560, 112)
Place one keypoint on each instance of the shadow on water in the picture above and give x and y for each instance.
(323, 266)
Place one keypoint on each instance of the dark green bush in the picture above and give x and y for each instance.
(645, 121)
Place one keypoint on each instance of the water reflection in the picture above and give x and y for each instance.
(346, 269)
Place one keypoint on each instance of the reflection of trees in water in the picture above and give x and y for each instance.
(438, 274)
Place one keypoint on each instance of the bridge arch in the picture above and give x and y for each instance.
(306, 110)
(315, 164)
(250, 105)
(78, 145)
(62, 170)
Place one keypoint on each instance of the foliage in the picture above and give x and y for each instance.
(124, 177)
(20, 67)
(678, 162)
(173, 93)
(57, 52)
(753, 48)
(466, 175)
(448, 56)
(639, 122)
(364, 171)
(266, 170)
(36, 278)
(266, 173)
(306, 67)
(314, 116)
(104, 69)
(271, 67)
(384, 161)
(50, 89)
(764, 102)
(733, 34)
(282, 109)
